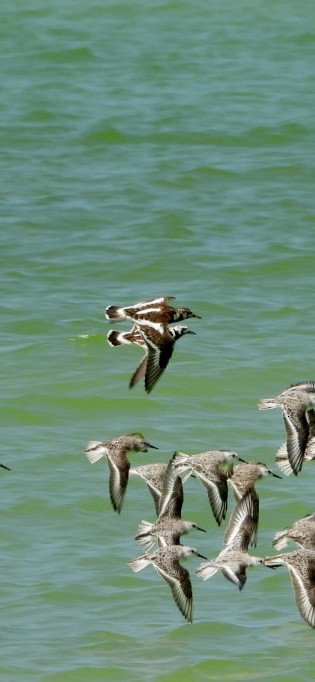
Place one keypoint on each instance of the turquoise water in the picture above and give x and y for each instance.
(149, 149)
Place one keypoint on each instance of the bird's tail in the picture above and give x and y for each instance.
(206, 570)
(280, 540)
(113, 312)
(181, 465)
(94, 451)
(267, 404)
(139, 563)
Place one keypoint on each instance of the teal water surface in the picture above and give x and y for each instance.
(149, 149)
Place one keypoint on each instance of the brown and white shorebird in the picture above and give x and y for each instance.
(158, 343)
(282, 457)
(212, 469)
(243, 481)
(301, 566)
(115, 451)
(233, 561)
(157, 311)
(166, 562)
(153, 475)
(294, 403)
(301, 531)
(170, 526)
(167, 530)
(243, 522)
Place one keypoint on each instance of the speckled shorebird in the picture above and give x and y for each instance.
(301, 566)
(282, 458)
(3, 466)
(233, 561)
(243, 522)
(169, 527)
(155, 312)
(166, 562)
(243, 481)
(165, 531)
(246, 474)
(212, 469)
(115, 451)
(153, 475)
(172, 494)
(301, 531)
(164, 485)
(294, 402)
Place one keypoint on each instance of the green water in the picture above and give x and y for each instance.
(149, 149)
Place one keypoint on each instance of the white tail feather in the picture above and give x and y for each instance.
(206, 571)
(139, 563)
(280, 540)
(94, 451)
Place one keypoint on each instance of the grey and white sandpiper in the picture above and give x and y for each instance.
(115, 451)
(243, 522)
(245, 475)
(169, 527)
(155, 312)
(301, 531)
(164, 485)
(153, 475)
(212, 469)
(172, 494)
(282, 457)
(301, 566)
(243, 481)
(166, 562)
(233, 561)
(294, 402)
(165, 531)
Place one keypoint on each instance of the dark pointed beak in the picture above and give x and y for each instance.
(198, 317)
(149, 445)
(202, 557)
(190, 331)
(203, 529)
(273, 474)
(240, 459)
(4, 467)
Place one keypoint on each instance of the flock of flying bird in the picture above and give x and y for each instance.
(215, 470)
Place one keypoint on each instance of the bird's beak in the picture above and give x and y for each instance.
(202, 557)
(4, 467)
(273, 474)
(203, 530)
(240, 459)
(189, 331)
(198, 317)
(149, 445)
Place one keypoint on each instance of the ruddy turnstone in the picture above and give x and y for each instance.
(158, 343)
(157, 311)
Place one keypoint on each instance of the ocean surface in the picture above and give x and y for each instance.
(148, 149)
